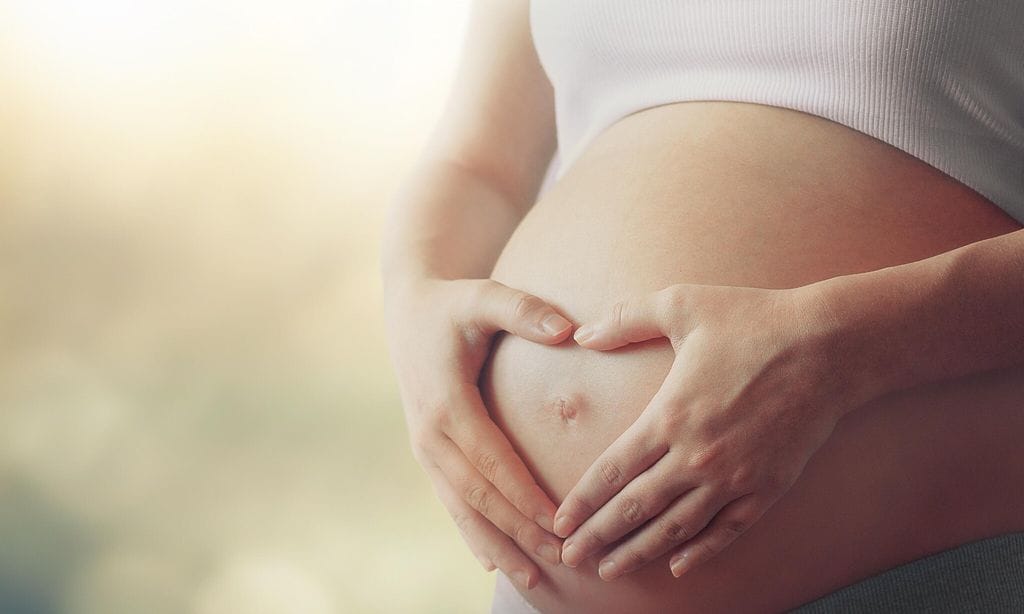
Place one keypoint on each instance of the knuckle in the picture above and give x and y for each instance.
(521, 533)
(672, 418)
(507, 557)
(610, 472)
(472, 293)
(462, 521)
(429, 406)
(742, 478)
(632, 510)
(592, 537)
(419, 451)
(487, 464)
(479, 497)
(675, 531)
(520, 500)
(672, 297)
(703, 459)
(442, 419)
(468, 316)
(421, 442)
(436, 413)
(470, 331)
(634, 558)
(579, 508)
(476, 291)
(522, 305)
(708, 548)
(733, 528)
(618, 312)
(664, 302)
(668, 306)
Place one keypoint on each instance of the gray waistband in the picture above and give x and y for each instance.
(984, 576)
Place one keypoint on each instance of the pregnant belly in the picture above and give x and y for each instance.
(741, 194)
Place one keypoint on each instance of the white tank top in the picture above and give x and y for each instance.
(942, 80)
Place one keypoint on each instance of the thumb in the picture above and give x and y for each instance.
(632, 320)
(520, 313)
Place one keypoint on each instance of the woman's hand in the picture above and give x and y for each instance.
(749, 398)
(440, 333)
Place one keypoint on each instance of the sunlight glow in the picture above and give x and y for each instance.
(191, 194)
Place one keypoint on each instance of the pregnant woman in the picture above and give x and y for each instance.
(718, 306)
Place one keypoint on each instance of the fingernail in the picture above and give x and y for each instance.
(549, 553)
(606, 570)
(554, 324)
(544, 521)
(583, 333)
(569, 554)
(522, 578)
(562, 526)
(680, 564)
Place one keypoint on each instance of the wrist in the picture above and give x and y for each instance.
(400, 293)
(848, 352)
(400, 277)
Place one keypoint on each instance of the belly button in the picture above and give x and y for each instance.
(566, 408)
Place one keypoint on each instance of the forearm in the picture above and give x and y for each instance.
(446, 222)
(939, 318)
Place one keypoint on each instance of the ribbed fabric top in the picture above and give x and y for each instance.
(942, 80)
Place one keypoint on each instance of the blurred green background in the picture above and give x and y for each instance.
(197, 411)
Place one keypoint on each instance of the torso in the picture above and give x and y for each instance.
(744, 194)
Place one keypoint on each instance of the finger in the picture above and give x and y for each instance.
(731, 522)
(633, 452)
(483, 497)
(642, 499)
(685, 518)
(490, 546)
(496, 307)
(631, 320)
(491, 454)
(636, 449)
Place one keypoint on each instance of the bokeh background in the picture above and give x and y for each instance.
(197, 410)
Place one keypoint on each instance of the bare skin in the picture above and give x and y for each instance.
(884, 487)
(479, 174)
(708, 193)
